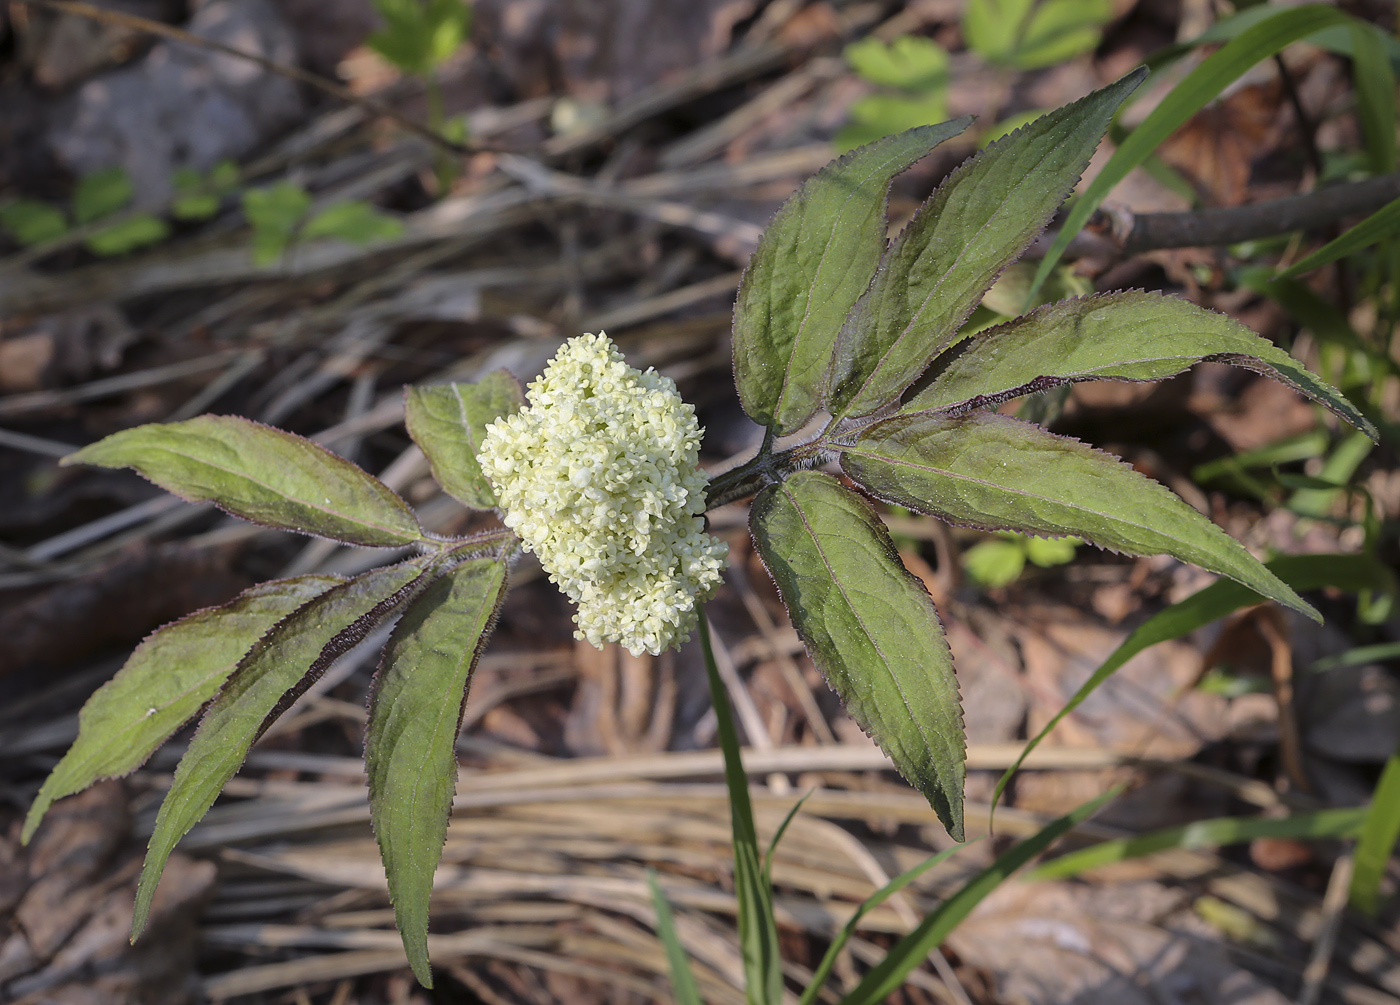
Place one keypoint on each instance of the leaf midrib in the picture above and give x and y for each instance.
(320, 508)
(884, 660)
(938, 285)
(803, 330)
(899, 462)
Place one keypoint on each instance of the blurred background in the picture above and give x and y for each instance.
(287, 210)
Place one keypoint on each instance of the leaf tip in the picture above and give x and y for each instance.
(34, 818)
(422, 968)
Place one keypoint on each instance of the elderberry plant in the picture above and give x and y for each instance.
(840, 335)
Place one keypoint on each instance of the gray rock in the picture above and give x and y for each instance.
(184, 106)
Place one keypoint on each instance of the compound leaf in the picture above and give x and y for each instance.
(261, 474)
(811, 264)
(278, 669)
(448, 421)
(1123, 336)
(870, 627)
(976, 224)
(168, 677)
(415, 710)
(990, 471)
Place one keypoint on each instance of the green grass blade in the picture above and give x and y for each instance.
(1357, 657)
(1379, 831)
(1206, 834)
(867, 905)
(914, 948)
(1302, 572)
(1381, 225)
(1204, 83)
(758, 931)
(1375, 94)
(1337, 470)
(778, 837)
(682, 979)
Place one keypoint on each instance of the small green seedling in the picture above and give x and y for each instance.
(1000, 560)
(913, 74)
(99, 195)
(1029, 34)
(281, 213)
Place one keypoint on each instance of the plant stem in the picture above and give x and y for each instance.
(764, 468)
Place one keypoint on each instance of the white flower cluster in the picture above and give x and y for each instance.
(599, 476)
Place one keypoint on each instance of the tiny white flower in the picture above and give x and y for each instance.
(600, 478)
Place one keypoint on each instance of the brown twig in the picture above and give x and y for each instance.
(1134, 233)
(142, 24)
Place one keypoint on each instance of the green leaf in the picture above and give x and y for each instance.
(283, 663)
(1381, 225)
(32, 222)
(913, 949)
(449, 21)
(261, 474)
(1206, 834)
(978, 221)
(355, 221)
(448, 421)
(1379, 831)
(994, 563)
(878, 115)
(811, 264)
(910, 62)
(415, 711)
(199, 198)
(1120, 336)
(867, 905)
(1205, 82)
(419, 36)
(1048, 552)
(101, 194)
(274, 213)
(990, 471)
(1302, 572)
(168, 677)
(1027, 35)
(870, 627)
(758, 929)
(135, 232)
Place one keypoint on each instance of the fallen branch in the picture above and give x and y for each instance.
(1119, 233)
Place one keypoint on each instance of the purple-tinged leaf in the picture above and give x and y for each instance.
(161, 687)
(989, 471)
(261, 474)
(870, 627)
(415, 710)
